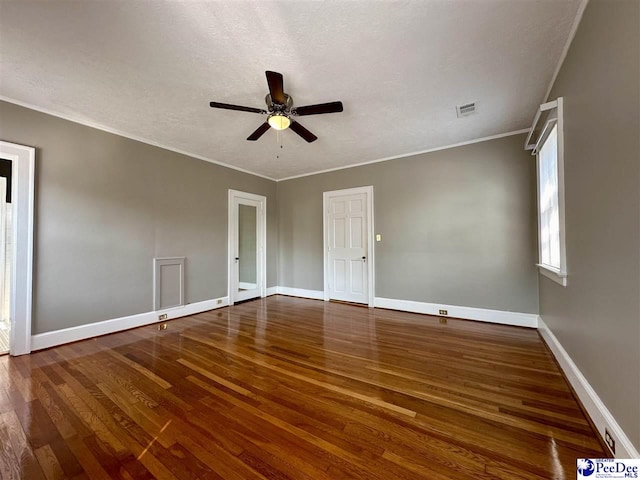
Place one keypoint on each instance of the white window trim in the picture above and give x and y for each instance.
(557, 275)
(553, 273)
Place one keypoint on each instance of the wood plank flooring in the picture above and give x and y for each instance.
(288, 388)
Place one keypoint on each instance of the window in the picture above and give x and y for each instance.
(548, 148)
(548, 203)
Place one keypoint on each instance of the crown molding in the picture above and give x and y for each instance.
(114, 131)
(410, 154)
(104, 128)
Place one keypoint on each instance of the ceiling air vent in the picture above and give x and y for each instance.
(466, 109)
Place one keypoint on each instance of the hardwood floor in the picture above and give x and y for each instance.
(287, 388)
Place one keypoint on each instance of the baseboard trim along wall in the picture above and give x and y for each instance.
(599, 413)
(467, 313)
(296, 292)
(82, 332)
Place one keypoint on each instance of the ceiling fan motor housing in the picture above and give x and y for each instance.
(277, 107)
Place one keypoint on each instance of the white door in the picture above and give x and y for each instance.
(247, 241)
(348, 232)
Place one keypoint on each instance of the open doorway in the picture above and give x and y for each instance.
(16, 245)
(5, 255)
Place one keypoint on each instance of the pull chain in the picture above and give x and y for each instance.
(279, 141)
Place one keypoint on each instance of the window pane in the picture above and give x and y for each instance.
(549, 213)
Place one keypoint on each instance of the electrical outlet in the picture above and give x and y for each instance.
(219, 301)
(162, 326)
(610, 441)
(443, 312)
(162, 317)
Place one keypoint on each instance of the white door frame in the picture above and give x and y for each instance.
(368, 191)
(3, 240)
(23, 204)
(261, 237)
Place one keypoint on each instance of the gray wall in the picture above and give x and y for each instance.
(106, 205)
(597, 316)
(458, 226)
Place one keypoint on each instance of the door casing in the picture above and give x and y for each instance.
(23, 205)
(235, 198)
(3, 240)
(326, 196)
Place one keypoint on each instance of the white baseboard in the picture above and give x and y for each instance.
(599, 413)
(299, 292)
(272, 291)
(247, 286)
(467, 313)
(82, 332)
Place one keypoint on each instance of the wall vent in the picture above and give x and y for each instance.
(466, 109)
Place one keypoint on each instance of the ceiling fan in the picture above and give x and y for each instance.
(280, 110)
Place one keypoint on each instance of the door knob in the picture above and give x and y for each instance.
(237, 258)
(364, 259)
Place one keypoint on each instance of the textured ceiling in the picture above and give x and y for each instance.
(148, 69)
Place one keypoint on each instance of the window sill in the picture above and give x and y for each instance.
(554, 274)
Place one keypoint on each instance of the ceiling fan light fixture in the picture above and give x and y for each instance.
(279, 121)
(280, 110)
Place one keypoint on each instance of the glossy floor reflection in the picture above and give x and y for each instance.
(290, 388)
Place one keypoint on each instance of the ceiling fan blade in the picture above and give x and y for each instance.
(303, 132)
(331, 107)
(240, 108)
(276, 89)
(259, 132)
